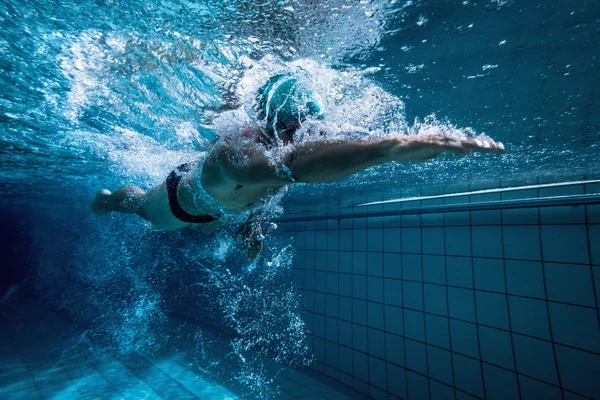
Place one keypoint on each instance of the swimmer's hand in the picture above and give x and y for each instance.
(424, 147)
(250, 233)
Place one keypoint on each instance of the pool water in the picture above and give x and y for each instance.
(58, 360)
(457, 278)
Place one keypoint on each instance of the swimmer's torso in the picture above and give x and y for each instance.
(234, 198)
(205, 189)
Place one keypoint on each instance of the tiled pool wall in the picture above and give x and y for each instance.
(497, 304)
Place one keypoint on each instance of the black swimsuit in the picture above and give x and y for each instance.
(179, 213)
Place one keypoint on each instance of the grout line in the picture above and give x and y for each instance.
(476, 315)
(404, 346)
(461, 320)
(454, 287)
(93, 363)
(25, 365)
(367, 296)
(463, 391)
(64, 374)
(461, 256)
(562, 391)
(535, 202)
(469, 357)
(424, 319)
(475, 306)
(402, 313)
(338, 298)
(90, 363)
(509, 224)
(589, 251)
(476, 192)
(387, 384)
(512, 344)
(506, 294)
(448, 316)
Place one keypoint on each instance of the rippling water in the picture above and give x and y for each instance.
(105, 93)
(86, 85)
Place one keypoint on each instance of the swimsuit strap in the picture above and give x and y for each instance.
(179, 213)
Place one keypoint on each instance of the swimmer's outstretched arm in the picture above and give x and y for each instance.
(319, 162)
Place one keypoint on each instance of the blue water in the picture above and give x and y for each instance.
(106, 93)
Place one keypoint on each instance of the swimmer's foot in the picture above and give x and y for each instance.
(101, 203)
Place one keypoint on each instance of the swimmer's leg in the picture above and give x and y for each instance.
(128, 200)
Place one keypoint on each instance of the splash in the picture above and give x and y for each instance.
(125, 294)
(107, 93)
(124, 278)
(141, 318)
(262, 308)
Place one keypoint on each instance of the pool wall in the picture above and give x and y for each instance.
(499, 303)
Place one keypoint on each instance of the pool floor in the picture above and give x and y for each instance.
(42, 357)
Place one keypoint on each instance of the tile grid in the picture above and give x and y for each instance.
(124, 376)
(457, 352)
(403, 331)
(457, 319)
(424, 320)
(329, 228)
(449, 326)
(514, 295)
(369, 333)
(385, 341)
(560, 383)
(512, 346)
(60, 370)
(591, 258)
(506, 294)
(66, 375)
(33, 384)
(44, 383)
(476, 317)
(459, 389)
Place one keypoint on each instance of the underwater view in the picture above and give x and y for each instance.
(316, 199)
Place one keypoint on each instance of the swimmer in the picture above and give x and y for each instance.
(198, 195)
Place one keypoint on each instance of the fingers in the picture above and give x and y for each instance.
(434, 144)
(466, 146)
(482, 144)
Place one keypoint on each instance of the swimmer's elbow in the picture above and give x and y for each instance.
(263, 174)
(254, 172)
(228, 165)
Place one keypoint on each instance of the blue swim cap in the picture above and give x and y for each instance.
(282, 101)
